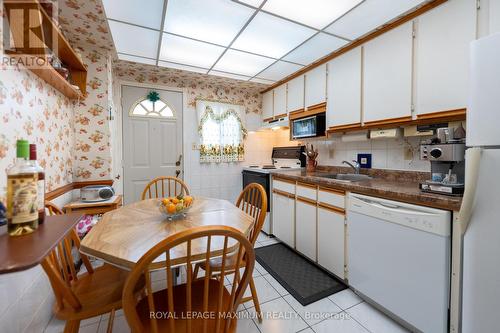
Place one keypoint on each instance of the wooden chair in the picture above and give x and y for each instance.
(165, 186)
(53, 209)
(78, 297)
(207, 296)
(253, 201)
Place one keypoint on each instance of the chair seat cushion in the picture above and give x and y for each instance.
(180, 314)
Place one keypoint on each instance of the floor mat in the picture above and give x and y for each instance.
(305, 281)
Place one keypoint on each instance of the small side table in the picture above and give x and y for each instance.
(94, 208)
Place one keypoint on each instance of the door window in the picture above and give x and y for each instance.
(146, 108)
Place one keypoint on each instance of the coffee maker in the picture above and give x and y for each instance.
(447, 167)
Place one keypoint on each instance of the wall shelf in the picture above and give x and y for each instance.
(48, 31)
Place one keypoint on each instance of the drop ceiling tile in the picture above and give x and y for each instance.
(134, 40)
(188, 52)
(370, 15)
(271, 36)
(254, 3)
(314, 13)
(140, 60)
(229, 75)
(140, 12)
(315, 48)
(242, 63)
(182, 67)
(216, 21)
(278, 71)
(257, 80)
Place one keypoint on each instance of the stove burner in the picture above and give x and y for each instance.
(285, 167)
(268, 167)
(253, 166)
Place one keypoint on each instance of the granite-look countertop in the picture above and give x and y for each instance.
(392, 187)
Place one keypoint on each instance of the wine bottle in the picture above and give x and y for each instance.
(22, 194)
(40, 184)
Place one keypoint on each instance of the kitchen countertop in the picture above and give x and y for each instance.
(403, 189)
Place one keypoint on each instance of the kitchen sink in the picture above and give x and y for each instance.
(348, 177)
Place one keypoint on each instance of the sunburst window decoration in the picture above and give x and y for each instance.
(221, 131)
(152, 106)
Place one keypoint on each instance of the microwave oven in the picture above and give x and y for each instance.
(308, 127)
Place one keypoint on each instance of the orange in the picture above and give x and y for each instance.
(171, 208)
(175, 200)
(188, 200)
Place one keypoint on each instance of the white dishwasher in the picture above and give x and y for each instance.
(399, 257)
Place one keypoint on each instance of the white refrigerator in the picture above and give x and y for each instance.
(480, 211)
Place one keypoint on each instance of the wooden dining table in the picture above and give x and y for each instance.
(124, 235)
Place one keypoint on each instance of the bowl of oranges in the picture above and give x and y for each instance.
(175, 207)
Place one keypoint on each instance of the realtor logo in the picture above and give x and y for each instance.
(29, 33)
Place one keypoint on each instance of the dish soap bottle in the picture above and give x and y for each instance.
(40, 184)
(22, 194)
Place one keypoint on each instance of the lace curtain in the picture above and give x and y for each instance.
(221, 131)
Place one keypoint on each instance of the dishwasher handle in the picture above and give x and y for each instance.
(394, 207)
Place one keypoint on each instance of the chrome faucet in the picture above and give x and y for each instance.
(354, 165)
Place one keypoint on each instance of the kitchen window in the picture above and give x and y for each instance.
(221, 132)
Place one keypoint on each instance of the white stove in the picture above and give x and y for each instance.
(283, 159)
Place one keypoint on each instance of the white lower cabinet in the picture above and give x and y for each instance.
(305, 226)
(331, 231)
(284, 218)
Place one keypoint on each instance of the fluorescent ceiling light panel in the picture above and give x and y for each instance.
(370, 15)
(229, 75)
(145, 13)
(315, 48)
(215, 21)
(253, 3)
(136, 59)
(314, 13)
(271, 36)
(134, 40)
(242, 63)
(257, 80)
(279, 70)
(182, 67)
(189, 52)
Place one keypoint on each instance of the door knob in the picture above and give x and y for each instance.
(178, 163)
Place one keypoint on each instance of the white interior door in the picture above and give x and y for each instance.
(152, 138)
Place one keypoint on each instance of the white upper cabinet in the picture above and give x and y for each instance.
(267, 104)
(387, 82)
(295, 97)
(443, 36)
(280, 100)
(344, 89)
(315, 86)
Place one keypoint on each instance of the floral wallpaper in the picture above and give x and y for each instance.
(84, 23)
(197, 85)
(92, 135)
(31, 109)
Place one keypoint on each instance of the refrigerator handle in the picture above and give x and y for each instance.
(473, 158)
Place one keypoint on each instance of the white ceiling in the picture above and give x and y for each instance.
(256, 40)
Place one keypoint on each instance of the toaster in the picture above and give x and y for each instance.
(96, 193)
